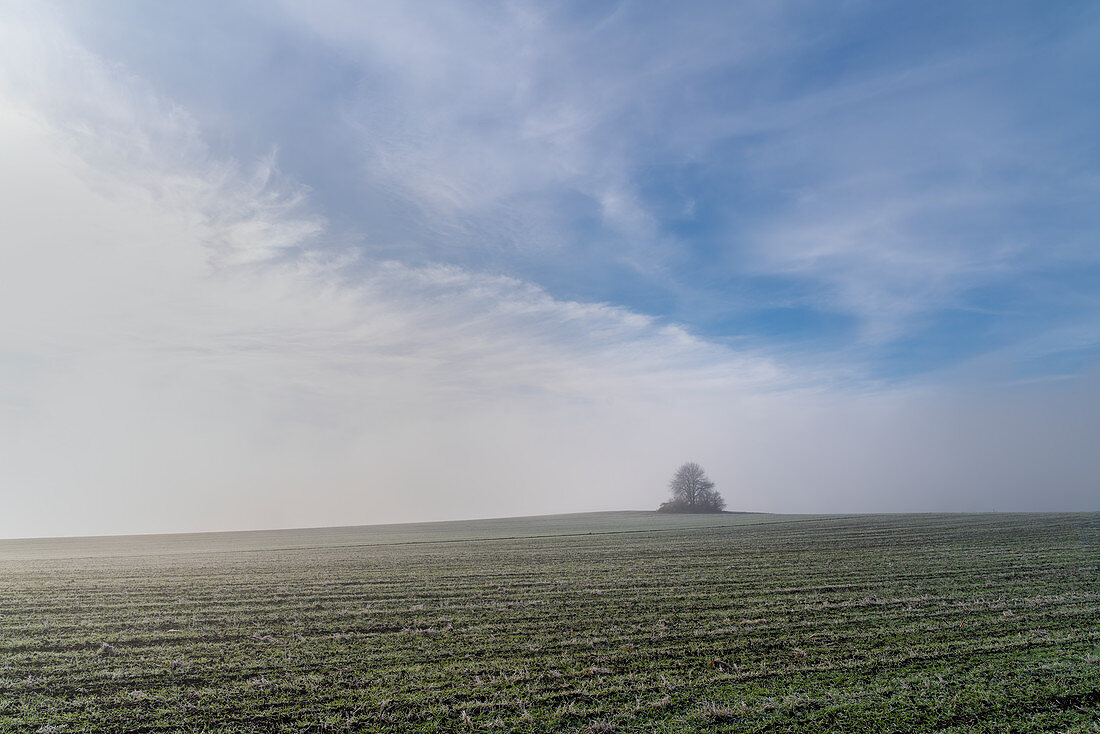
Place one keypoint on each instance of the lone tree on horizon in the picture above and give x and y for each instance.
(692, 491)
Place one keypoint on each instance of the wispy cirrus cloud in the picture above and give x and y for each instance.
(733, 168)
(872, 164)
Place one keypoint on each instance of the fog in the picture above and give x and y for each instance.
(188, 342)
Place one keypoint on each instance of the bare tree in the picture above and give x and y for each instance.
(692, 491)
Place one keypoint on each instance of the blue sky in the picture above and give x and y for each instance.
(505, 212)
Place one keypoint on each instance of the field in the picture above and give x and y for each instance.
(589, 623)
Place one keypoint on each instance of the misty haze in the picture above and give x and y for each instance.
(549, 366)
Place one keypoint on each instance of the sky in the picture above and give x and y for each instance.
(272, 264)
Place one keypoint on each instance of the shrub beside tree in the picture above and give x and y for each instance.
(692, 491)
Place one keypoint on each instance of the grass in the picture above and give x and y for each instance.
(603, 622)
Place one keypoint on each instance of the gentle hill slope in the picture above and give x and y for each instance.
(366, 535)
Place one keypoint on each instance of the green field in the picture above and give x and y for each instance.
(596, 622)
